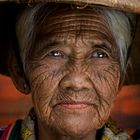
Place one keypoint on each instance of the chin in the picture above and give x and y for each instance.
(74, 122)
(76, 126)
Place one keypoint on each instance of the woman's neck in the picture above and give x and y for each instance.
(48, 134)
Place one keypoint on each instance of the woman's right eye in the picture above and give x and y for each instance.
(56, 53)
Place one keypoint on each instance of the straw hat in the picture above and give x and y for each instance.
(10, 8)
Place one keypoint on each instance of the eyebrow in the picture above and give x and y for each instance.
(103, 46)
(49, 43)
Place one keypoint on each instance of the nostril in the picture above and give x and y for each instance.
(68, 88)
(73, 89)
(75, 82)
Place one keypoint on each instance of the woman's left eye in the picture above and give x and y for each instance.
(99, 54)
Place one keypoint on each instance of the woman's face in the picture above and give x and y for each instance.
(74, 72)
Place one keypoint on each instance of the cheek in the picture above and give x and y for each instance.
(106, 83)
(42, 95)
(106, 80)
(43, 88)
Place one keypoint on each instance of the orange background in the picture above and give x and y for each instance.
(15, 105)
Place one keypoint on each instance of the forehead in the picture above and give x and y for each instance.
(72, 23)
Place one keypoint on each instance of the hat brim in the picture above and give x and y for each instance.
(8, 13)
(10, 8)
(126, 5)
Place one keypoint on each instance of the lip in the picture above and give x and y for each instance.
(74, 105)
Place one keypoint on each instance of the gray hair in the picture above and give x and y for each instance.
(118, 23)
(121, 29)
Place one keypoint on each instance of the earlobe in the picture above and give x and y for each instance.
(17, 73)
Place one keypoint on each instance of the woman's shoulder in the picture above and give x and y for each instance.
(2, 130)
(136, 135)
(10, 131)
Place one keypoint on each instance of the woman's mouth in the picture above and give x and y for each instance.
(74, 105)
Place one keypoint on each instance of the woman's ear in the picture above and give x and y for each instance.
(17, 73)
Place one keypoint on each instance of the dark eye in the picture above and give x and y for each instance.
(56, 53)
(99, 54)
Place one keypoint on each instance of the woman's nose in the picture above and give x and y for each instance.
(76, 81)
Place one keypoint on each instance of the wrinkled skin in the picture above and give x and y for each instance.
(74, 74)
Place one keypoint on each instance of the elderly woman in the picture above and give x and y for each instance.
(73, 62)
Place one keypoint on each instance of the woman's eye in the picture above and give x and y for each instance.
(99, 54)
(56, 53)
